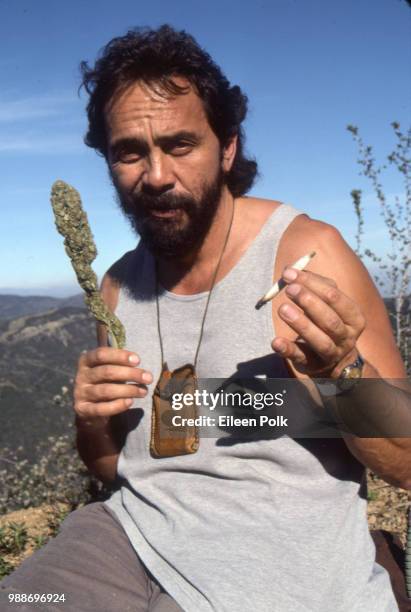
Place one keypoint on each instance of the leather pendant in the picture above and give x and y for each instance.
(168, 440)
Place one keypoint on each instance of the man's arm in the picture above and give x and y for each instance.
(98, 448)
(101, 395)
(340, 313)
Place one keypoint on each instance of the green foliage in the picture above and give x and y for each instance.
(394, 271)
(5, 567)
(15, 541)
(72, 223)
(13, 538)
(372, 496)
(58, 477)
(39, 541)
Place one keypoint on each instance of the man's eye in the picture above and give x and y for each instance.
(127, 157)
(181, 148)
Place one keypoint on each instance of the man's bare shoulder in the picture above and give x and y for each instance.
(304, 235)
(114, 278)
(257, 209)
(253, 213)
(334, 258)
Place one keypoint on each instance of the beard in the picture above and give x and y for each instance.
(175, 236)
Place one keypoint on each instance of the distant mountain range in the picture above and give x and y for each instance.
(38, 355)
(12, 306)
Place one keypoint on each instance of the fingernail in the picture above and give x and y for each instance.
(129, 402)
(290, 274)
(147, 378)
(133, 359)
(293, 289)
(289, 312)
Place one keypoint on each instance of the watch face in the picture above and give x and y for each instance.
(350, 375)
(354, 372)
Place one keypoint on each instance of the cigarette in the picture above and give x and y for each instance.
(300, 264)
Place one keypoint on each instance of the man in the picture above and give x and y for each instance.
(227, 524)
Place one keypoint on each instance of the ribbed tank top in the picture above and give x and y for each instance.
(272, 525)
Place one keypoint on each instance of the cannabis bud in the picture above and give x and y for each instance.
(72, 223)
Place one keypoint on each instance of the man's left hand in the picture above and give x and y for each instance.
(326, 321)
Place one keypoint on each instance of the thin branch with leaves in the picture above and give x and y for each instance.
(394, 271)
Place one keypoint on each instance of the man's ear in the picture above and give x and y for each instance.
(229, 152)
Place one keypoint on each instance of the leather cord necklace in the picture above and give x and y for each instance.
(168, 440)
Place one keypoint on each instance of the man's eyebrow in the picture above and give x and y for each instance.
(176, 136)
(128, 142)
(132, 142)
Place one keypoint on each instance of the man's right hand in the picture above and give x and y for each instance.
(101, 389)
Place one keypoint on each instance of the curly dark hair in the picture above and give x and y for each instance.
(155, 57)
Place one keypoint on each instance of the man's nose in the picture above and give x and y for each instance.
(158, 176)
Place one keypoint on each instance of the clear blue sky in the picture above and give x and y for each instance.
(308, 67)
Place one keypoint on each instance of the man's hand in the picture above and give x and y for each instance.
(327, 322)
(101, 388)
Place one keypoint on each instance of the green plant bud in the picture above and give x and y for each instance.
(72, 223)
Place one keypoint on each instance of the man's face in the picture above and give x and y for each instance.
(167, 166)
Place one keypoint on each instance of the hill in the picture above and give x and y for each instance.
(38, 356)
(12, 306)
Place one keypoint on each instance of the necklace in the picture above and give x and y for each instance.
(167, 439)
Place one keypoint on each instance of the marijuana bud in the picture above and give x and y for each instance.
(72, 223)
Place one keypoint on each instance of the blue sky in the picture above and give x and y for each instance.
(308, 67)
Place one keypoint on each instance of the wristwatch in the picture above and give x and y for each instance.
(351, 374)
(348, 378)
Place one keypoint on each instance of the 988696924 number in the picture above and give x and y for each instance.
(36, 597)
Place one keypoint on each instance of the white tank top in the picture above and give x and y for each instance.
(263, 525)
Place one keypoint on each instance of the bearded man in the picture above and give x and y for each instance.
(266, 523)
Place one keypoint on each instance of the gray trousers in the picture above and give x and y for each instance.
(91, 562)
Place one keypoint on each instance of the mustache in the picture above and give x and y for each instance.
(162, 202)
